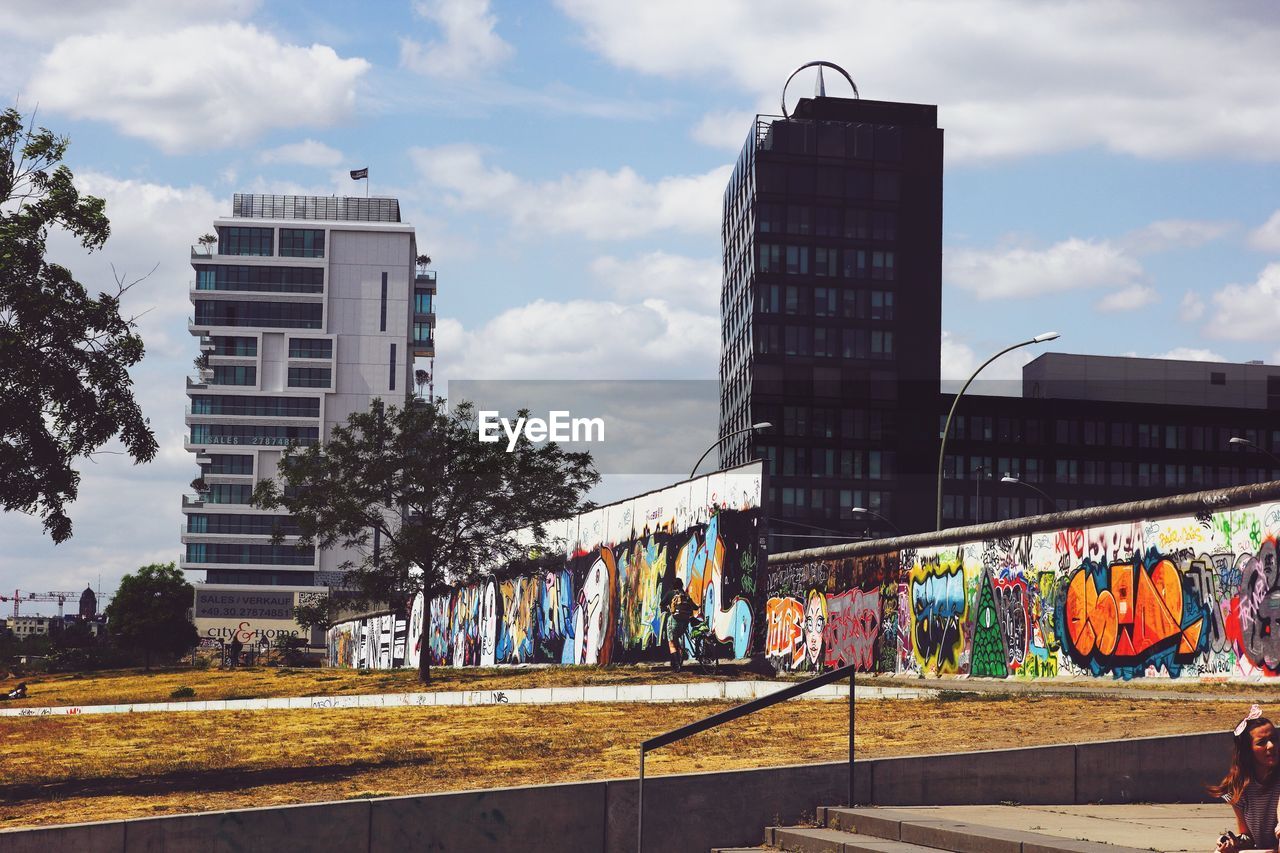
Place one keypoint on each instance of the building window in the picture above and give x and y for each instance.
(382, 315)
(392, 378)
(881, 305)
(270, 407)
(301, 243)
(269, 279)
(855, 264)
(310, 348)
(272, 315)
(799, 219)
(264, 436)
(223, 345)
(229, 493)
(797, 260)
(249, 525)
(235, 374)
(271, 555)
(235, 240)
(770, 257)
(422, 333)
(422, 303)
(310, 377)
(223, 463)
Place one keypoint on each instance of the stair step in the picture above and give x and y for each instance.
(804, 839)
(933, 833)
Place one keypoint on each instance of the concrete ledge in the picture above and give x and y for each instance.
(91, 837)
(320, 826)
(1159, 769)
(977, 777)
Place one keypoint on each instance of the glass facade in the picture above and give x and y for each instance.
(235, 374)
(256, 525)
(224, 463)
(261, 436)
(301, 243)
(269, 555)
(236, 240)
(224, 345)
(268, 279)
(310, 377)
(310, 348)
(271, 315)
(276, 407)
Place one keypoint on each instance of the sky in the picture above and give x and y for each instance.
(1111, 174)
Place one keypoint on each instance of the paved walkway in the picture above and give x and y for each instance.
(693, 692)
(1168, 828)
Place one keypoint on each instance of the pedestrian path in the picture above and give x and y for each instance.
(1170, 828)
(693, 692)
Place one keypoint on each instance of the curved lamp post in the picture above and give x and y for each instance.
(753, 427)
(1009, 478)
(862, 510)
(946, 429)
(1244, 442)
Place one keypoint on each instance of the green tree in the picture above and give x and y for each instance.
(149, 612)
(64, 355)
(420, 502)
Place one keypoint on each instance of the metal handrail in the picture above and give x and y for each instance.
(849, 670)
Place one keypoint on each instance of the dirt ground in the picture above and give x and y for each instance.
(71, 769)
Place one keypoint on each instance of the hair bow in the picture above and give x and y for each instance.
(1254, 713)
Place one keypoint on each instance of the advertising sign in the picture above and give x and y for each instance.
(250, 613)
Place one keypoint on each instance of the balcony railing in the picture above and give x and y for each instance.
(204, 251)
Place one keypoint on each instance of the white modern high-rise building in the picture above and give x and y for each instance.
(307, 309)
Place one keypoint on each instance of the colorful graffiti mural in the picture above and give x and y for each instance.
(603, 605)
(1177, 597)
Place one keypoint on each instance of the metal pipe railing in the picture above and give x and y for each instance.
(849, 670)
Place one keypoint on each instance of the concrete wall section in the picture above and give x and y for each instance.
(546, 817)
(689, 812)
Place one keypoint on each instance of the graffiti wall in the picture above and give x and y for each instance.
(1177, 597)
(602, 603)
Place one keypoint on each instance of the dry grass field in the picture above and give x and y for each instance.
(121, 687)
(69, 769)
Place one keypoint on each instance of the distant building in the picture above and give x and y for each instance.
(831, 309)
(30, 626)
(88, 604)
(307, 309)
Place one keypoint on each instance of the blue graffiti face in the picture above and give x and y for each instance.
(938, 605)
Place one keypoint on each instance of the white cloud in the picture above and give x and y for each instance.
(582, 339)
(1248, 312)
(151, 225)
(1191, 308)
(40, 20)
(1167, 234)
(726, 130)
(308, 152)
(469, 46)
(594, 203)
(198, 87)
(1129, 299)
(1189, 354)
(1072, 264)
(1075, 75)
(1266, 237)
(1002, 377)
(674, 278)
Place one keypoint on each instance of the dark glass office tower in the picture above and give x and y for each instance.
(831, 315)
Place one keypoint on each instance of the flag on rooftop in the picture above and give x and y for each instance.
(357, 174)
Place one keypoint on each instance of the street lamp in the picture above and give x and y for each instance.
(862, 510)
(761, 425)
(1244, 442)
(1009, 478)
(942, 449)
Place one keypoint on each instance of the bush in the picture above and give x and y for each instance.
(183, 693)
(88, 659)
(201, 663)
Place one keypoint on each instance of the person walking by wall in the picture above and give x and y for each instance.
(679, 609)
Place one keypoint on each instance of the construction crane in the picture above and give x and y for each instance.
(61, 597)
